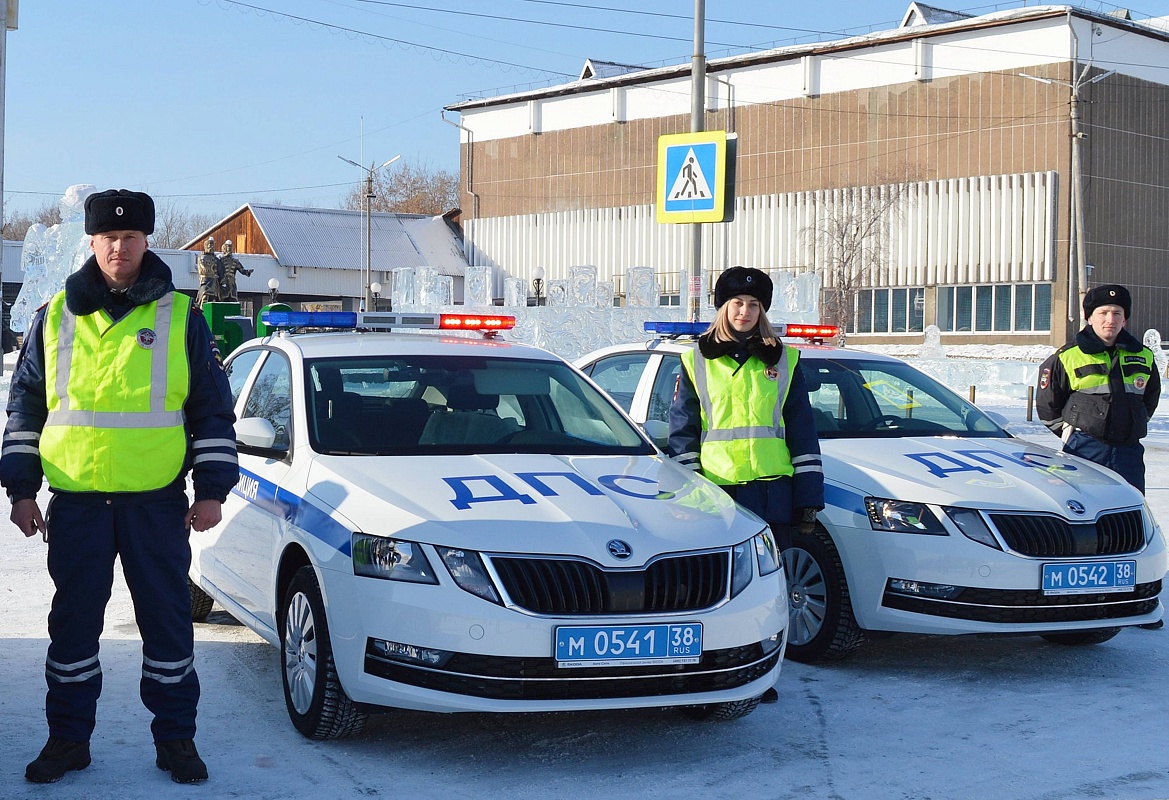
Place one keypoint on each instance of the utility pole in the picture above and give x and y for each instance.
(367, 266)
(1077, 253)
(7, 23)
(697, 125)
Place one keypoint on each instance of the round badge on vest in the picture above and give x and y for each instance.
(771, 373)
(146, 338)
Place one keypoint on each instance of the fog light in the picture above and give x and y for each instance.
(771, 644)
(409, 653)
(940, 591)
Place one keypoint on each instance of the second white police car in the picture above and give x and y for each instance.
(938, 521)
(444, 523)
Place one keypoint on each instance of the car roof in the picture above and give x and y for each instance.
(807, 350)
(336, 344)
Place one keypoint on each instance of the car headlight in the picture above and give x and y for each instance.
(742, 566)
(900, 516)
(466, 567)
(766, 552)
(762, 545)
(1151, 526)
(972, 525)
(391, 559)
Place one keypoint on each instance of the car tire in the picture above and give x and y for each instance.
(1080, 638)
(316, 701)
(821, 625)
(722, 712)
(201, 602)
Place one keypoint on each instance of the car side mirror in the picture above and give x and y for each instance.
(255, 433)
(658, 430)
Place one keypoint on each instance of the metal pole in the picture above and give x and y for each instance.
(3, 72)
(697, 124)
(1078, 200)
(368, 239)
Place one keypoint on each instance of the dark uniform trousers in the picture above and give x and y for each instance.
(86, 532)
(1126, 460)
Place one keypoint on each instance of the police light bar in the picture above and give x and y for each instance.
(813, 332)
(383, 321)
(676, 328)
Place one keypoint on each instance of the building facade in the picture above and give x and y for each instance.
(929, 173)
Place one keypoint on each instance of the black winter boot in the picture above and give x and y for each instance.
(182, 760)
(57, 757)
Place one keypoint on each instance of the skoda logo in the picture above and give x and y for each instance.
(619, 549)
(1076, 506)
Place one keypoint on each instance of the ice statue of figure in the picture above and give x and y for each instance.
(1152, 340)
(933, 343)
(51, 255)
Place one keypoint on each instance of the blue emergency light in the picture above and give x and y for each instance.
(676, 328)
(310, 319)
(384, 321)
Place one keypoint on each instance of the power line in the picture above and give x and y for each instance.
(402, 43)
(521, 20)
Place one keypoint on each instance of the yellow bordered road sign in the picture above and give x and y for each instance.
(692, 177)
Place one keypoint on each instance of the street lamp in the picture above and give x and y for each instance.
(376, 288)
(273, 287)
(538, 282)
(1077, 192)
(367, 273)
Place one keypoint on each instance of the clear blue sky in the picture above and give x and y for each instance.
(214, 103)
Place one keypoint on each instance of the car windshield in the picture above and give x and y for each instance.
(855, 399)
(458, 405)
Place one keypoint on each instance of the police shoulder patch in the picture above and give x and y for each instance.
(1045, 378)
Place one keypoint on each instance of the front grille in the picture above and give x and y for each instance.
(567, 587)
(1051, 536)
(502, 678)
(1029, 607)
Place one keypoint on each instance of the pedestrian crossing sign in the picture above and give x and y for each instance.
(692, 177)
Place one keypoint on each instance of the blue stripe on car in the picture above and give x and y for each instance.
(298, 511)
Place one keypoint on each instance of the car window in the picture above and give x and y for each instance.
(664, 388)
(439, 405)
(271, 398)
(238, 369)
(618, 375)
(860, 398)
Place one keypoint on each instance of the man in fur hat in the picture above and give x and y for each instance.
(117, 395)
(1098, 391)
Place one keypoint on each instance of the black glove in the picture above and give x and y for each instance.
(805, 521)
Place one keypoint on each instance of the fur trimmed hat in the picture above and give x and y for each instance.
(743, 280)
(119, 210)
(1112, 294)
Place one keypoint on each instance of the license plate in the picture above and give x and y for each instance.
(1090, 578)
(628, 645)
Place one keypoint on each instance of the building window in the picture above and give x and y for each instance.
(889, 311)
(994, 308)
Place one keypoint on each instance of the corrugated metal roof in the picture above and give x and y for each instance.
(334, 239)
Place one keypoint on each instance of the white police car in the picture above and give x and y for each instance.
(462, 524)
(937, 520)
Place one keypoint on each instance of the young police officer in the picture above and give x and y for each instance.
(1098, 391)
(117, 394)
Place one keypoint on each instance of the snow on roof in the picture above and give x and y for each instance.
(599, 70)
(334, 238)
(921, 14)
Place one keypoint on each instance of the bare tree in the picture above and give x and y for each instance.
(851, 239)
(408, 190)
(17, 225)
(174, 225)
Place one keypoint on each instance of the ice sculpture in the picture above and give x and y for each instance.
(604, 294)
(641, 289)
(582, 286)
(426, 286)
(402, 289)
(933, 343)
(515, 292)
(558, 293)
(1152, 340)
(50, 255)
(477, 289)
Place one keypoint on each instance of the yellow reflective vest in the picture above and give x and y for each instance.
(743, 436)
(115, 392)
(1092, 401)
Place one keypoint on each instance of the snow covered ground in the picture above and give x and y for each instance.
(905, 717)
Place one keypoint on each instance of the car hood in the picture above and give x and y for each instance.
(534, 503)
(992, 474)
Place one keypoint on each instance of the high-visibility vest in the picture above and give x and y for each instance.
(742, 416)
(115, 393)
(1091, 402)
